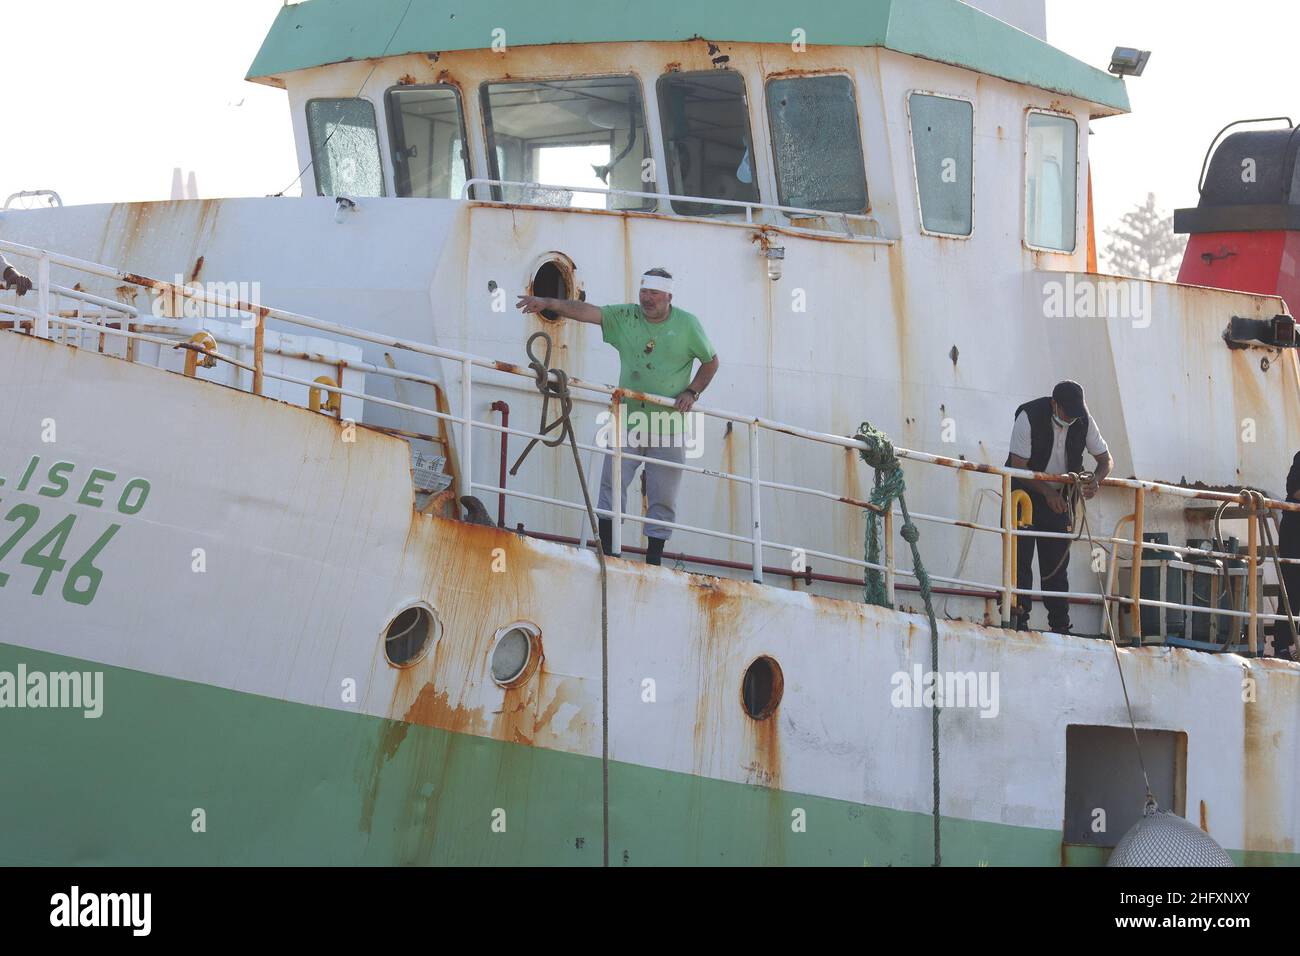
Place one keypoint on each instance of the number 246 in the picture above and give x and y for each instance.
(46, 554)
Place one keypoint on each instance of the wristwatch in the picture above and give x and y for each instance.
(693, 392)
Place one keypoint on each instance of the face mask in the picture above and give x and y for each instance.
(1061, 421)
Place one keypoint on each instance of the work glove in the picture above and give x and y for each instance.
(16, 280)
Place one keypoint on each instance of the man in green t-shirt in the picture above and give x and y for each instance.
(658, 345)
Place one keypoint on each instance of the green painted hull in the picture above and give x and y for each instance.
(287, 783)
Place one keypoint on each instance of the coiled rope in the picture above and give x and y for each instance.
(553, 383)
(890, 485)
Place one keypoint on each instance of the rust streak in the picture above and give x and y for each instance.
(450, 688)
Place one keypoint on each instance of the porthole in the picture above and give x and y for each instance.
(409, 635)
(553, 280)
(761, 688)
(516, 651)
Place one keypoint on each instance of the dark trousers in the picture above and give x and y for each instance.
(1053, 562)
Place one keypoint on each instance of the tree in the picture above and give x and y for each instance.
(1144, 245)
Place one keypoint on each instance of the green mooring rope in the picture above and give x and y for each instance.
(879, 454)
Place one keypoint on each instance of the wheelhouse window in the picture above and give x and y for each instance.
(428, 140)
(816, 143)
(707, 140)
(344, 142)
(587, 132)
(943, 155)
(1051, 181)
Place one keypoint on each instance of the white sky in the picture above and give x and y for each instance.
(1211, 63)
(114, 95)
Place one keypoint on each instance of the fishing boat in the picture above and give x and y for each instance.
(277, 587)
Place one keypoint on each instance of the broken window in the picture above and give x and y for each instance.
(1051, 160)
(344, 147)
(943, 137)
(586, 132)
(707, 140)
(428, 130)
(816, 143)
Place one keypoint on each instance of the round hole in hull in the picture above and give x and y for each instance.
(552, 281)
(761, 688)
(410, 634)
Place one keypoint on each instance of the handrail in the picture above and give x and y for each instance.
(129, 320)
(1205, 164)
(749, 206)
(54, 198)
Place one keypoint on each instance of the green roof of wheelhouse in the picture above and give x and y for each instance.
(319, 32)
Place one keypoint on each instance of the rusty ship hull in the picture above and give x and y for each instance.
(233, 517)
(226, 690)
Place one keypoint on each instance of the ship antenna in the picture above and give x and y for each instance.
(302, 172)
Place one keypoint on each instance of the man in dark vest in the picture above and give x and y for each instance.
(1050, 435)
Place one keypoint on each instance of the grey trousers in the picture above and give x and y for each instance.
(661, 485)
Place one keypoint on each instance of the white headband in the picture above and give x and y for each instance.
(658, 283)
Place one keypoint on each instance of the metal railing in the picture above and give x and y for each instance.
(747, 206)
(51, 197)
(119, 319)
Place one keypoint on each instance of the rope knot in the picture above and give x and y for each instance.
(910, 533)
(879, 452)
(552, 383)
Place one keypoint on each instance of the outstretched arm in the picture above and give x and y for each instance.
(567, 308)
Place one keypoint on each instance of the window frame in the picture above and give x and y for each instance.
(665, 181)
(436, 628)
(536, 652)
(311, 143)
(768, 79)
(489, 136)
(390, 115)
(1024, 181)
(916, 180)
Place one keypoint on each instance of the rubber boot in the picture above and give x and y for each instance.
(606, 533)
(654, 552)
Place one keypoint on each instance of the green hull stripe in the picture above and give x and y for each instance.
(287, 783)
